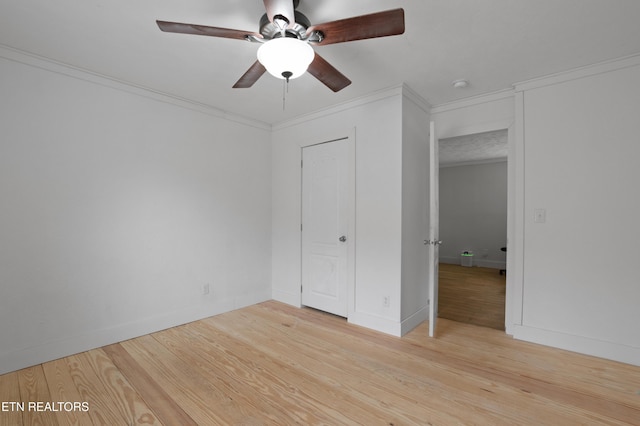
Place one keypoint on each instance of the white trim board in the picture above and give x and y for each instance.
(389, 326)
(483, 263)
(471, 101)
(577, 73)
(583, 345)
(50, 65)
(400, 90)
(25, 357)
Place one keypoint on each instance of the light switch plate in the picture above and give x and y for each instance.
(540, 215)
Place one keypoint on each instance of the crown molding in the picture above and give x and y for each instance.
(577, 73)
(416, 98)
(352, 103)
(47, 64)
(474, 100)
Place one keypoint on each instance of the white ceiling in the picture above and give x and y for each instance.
(477, 148)
(492, 43)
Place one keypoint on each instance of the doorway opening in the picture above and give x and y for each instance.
(473, 179)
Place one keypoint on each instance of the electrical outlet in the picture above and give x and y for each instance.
(205, 289)
(385, 301)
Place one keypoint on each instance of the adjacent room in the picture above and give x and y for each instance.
(215, 212)
(473, 228)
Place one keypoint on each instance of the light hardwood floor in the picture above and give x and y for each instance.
(275, 364)
(472, 295)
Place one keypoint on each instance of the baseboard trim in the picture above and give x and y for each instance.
(49, 351)
(377, 323)
(579, 344)
(483, 263)
(415, 320)
(293, 299)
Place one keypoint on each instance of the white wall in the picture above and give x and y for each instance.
(415, 175)
(116, 207)
(473, 213)
(579, 134)
(571, 281)
(378, 127)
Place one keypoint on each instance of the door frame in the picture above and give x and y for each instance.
(327, 137)
(513, 293)
(433, 233)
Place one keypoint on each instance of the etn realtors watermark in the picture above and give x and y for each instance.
(59, 406)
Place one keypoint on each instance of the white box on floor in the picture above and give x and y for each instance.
(466, 259)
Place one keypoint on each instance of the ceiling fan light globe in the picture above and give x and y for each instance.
(286, 55)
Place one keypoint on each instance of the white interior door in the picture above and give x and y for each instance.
(434, 229)
(325, 238)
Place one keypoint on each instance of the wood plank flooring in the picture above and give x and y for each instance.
(472, 295)
(273, 364)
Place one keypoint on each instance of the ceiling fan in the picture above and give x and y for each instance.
(286, 37)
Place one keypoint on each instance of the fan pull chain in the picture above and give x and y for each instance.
(284, 90)
(285, 86)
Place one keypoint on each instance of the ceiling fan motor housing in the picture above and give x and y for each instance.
(270, 30)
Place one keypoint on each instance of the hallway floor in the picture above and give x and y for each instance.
(472, 295)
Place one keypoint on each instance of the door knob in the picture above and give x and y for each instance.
(342, 239)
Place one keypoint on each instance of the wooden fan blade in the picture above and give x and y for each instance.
(176, 27)
(280, 7)
(251, 76)
(380, 24)
(327, 74)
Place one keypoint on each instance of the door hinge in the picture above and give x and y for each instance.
(301, 163)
